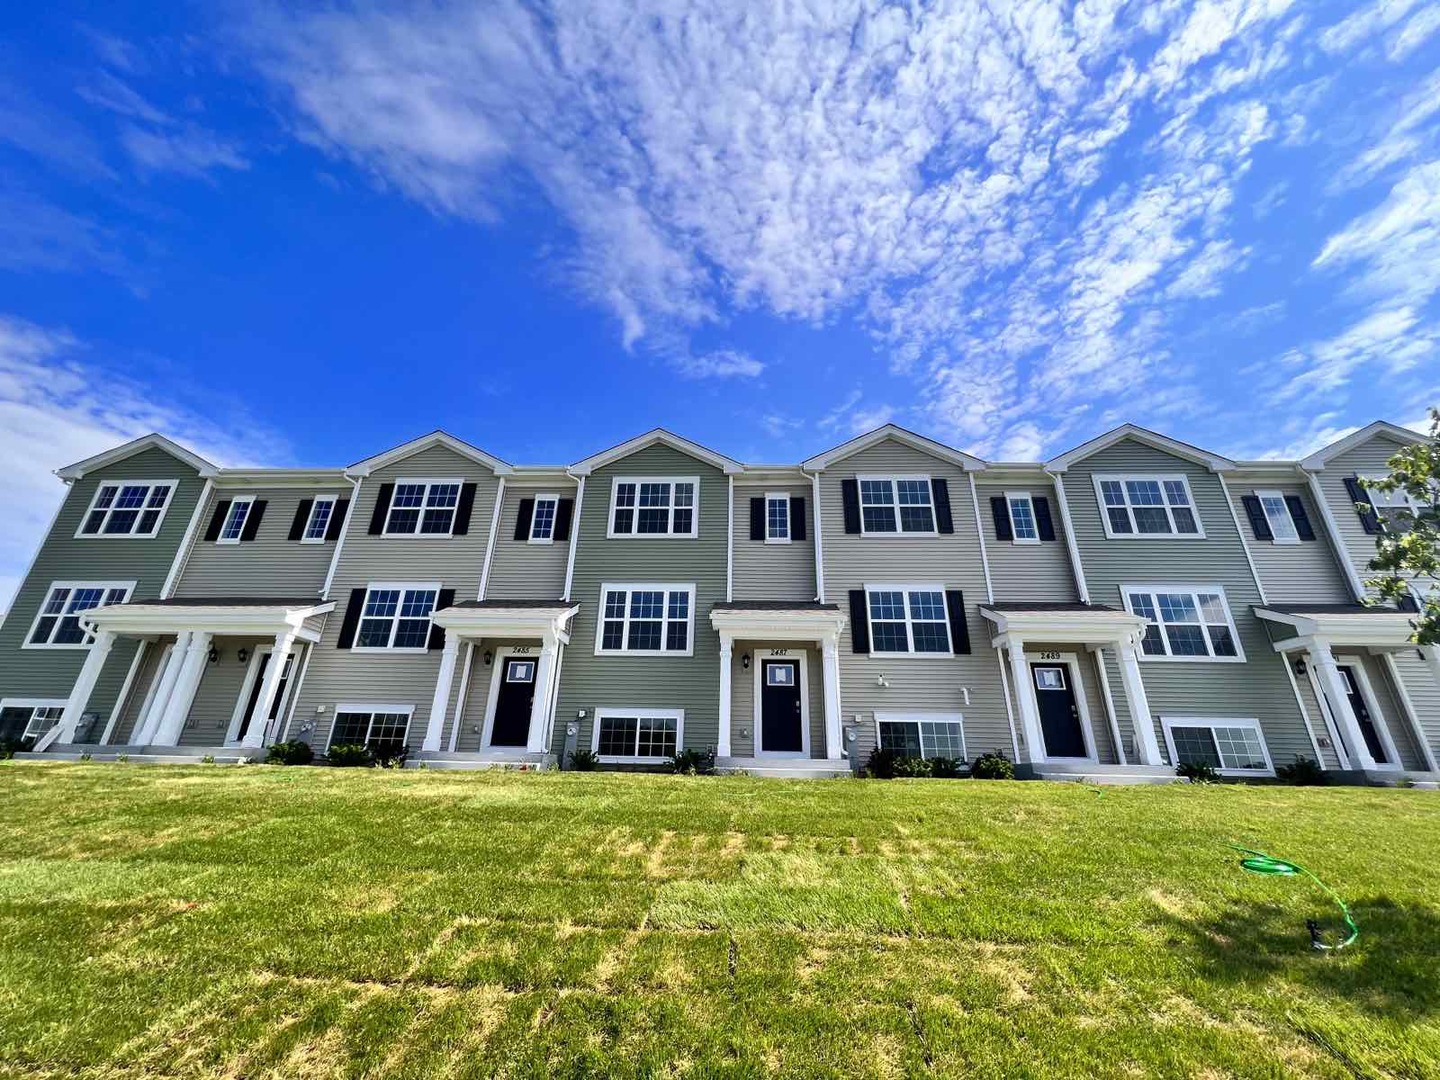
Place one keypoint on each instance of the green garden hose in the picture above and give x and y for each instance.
(1257, 862)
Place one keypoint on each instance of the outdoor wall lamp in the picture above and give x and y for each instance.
(1299, 665)
(243, 654)
(213, 654)
(745, 661)
(488, 657)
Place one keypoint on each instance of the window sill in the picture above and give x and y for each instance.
(651, 536)
(372, 650)
(913, 655)
(646, 653)
(610, 760)
(58, 648)
(1145, 658)
(1154, 536)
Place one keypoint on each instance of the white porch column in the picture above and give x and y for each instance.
(540, 704)
(83, 688)
(1328, 672)
(177, 709)
(150, 720)
(1025, 700)
(830, 670)
(269, 687)
(727, 653)
(440, 704)
(1146, 747)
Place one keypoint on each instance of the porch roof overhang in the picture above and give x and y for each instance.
(509, 618)
(778, 620)
(1080, 624)
(1359, 625)
(222, 615)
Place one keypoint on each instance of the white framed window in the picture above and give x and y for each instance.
(1277, 516)
(1134, 506)
(777, 518)
(1187, 622)
(638, 734)
(654, 506)
(383, 728)
(1024, 529)
(396, 617)
(921, 734)
(908, 619)
(520, 671)
(1049, 678)
(542, 519)
(1234, 747)
(896, 505)
(318, 524)
(234, 524)
(57, 626)
(1395, 509)
(646, 619)
(127, 508)
(423, 507)
(29, 718)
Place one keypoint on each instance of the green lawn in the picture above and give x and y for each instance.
(262, 921)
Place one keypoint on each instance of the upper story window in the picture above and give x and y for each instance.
(423, 508)
(1024, 529)
(908, 619)
(651, 619)
(57, 626)
(233, 527)
(1147, 506)
(396, 616)
(654, 506)
(777, 518)
(1394, 511)
(127, 508)
(542, 519)
(1185, 623)
(899, 504)
(318, 523)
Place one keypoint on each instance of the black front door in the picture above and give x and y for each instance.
(1059, 715)
(1362, 715)
(780, 719)
(512, 704)
(260, 666)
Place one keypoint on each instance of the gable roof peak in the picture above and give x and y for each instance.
(662, 436)
(1188, 451)
(426, 442)
(915, 441)
(1320, 458)
(135, 446)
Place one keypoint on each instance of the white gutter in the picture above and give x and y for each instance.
(182, 556)
(490, 543)
(819, 544)
(980, 535)
(355, 483)
(1244, 545)
(574, 532)
(1076, 566)
(730, 546)
(1332, 530)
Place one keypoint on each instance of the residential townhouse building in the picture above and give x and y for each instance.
(1129, 604)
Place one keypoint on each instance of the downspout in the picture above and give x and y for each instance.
(730, 545)
(182, 556)
(819, 532)
(1245, 547)
(1076, 566)
(490, 541)
(355, 482)
(574, 532)
(980, 535)
(1332, 530)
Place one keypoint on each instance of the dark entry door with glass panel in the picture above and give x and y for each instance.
(512, 704)
(1059, 715)
(260, 667)
(780, 719)
(1363, 716)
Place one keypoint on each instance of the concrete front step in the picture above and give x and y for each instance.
(786, 768)
(1091, 773)
(147, 755)
(489, 759)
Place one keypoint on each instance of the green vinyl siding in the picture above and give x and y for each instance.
(1308, 572)
(270, 565)
(1023, 573)
(519, 569)
(773, 571)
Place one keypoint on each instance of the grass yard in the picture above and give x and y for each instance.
(264, 921)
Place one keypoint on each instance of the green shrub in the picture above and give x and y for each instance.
(1197, 772)
(10, 747)
(390, 759)
(584, 760)
(694, 762)
(910, 767)
(350, 756)
(290, 753)
(208, 759)
(993, 766)
(881, 763)
(947, 768)
(1306, 772)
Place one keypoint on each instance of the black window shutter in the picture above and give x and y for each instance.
(337, 520)
(252, 521)
(1408, 603)
(757, 519)
(1044, 523)
(437, 633)
(564, 512)
(959, 626)
(1298, 514)
(464, 506)
(217, 520)
(797, 517)
(850, 497)
(944, 520)
(1259, 524)
(523, 518)
(1369, 520)
(302, 516)
(859, 622)
(351, 622)
(1000, 511)
(382, 509)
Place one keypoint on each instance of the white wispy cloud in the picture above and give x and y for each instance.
(722, 364)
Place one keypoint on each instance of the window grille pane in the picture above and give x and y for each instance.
(1185, 521)
(1022, 520)
(677, 637)
(901, 737)
(889, 637)
(350, 729)
(1240, 748)
(879, 519)
(1112, 491)
(1194, 746)
(646, 604)
(1119, 520)
(419, 603)
(679, 605)
(940, 739)
(613, 635)
(644, 635)
(887, 605)
(655, 737)
(617, 736)
(913, 492)
(614, 605)
(374, 633)
(916, 519)
(382, 602)
(542, 524)
(1177, 607)
(1186, 640)
(1222, 641)
(1151, 520)
(412, 633)
(1175, 493)
(684, 521)
(1143, 493)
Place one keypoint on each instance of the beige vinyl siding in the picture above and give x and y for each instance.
(271, 564)
(670, 682)
(916, 683)
(1304, 573)
(340, 676)
(521, 570)
(1316, 715)
(744, 721)
(51, 673)
(1420, 683)
(219, 691)
(773, 571)
(1368, 459)
(1023, 573)
(1255, 689)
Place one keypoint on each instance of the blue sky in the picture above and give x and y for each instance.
(299, 237)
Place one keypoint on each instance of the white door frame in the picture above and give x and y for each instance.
(252, 672)
(503, 653)
(1356, 663)
(801, 656)
(1070, 661)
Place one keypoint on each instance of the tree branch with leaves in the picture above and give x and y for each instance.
(1407, 552)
